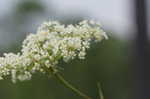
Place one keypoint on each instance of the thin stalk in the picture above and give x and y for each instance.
(61, 79)
(101, 96)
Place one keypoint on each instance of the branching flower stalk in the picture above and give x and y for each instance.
(53, 42)
(61, 79)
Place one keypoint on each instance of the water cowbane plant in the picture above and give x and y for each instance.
(53, 42)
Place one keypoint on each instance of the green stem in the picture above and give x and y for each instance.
(101, 96)
(61, 79)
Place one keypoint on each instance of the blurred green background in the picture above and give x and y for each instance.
(106, 62)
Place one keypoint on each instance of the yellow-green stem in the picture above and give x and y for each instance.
(61, 79)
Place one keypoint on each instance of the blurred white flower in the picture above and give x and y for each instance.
(52, 42)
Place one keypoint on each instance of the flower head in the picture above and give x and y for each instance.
(44, 50)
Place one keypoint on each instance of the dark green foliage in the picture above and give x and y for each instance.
(29, 6)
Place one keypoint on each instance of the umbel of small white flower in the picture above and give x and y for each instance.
(53, 42)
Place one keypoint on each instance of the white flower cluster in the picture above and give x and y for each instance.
(44, 50)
